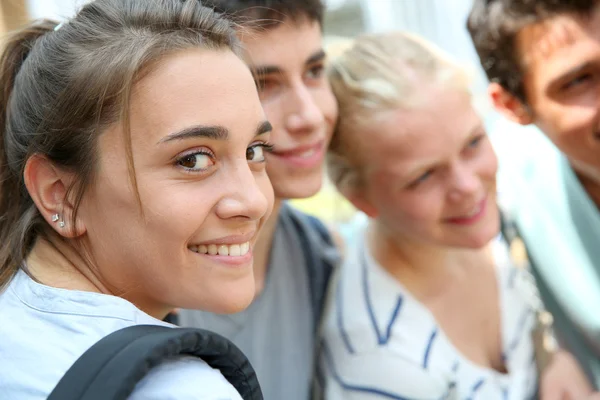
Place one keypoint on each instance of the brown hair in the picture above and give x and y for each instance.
(63, 87)
(494, 25)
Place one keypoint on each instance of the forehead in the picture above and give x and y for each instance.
(287, 45)
(435, 128)
(195, 87)
(555, 46)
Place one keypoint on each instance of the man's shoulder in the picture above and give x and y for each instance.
(304, 223)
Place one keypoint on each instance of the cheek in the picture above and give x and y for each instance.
(488, 164)
(327, 103)
(567, 123)
(266, 188)
(409, 208)
(274, 112)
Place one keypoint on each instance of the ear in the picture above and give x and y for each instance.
(47, 185)
(508, 105)
(359, 200)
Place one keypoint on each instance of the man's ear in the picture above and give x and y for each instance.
(48, 187)
(508, 105)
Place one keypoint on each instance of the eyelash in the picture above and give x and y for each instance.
(579, 80)
(474, 143)
(266, 146)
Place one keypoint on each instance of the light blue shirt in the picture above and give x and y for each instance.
(43, 330)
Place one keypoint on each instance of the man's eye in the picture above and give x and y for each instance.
(578, 81)
(316, 72)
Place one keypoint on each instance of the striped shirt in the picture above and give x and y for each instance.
(379, 342)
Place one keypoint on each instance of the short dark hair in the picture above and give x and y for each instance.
(494, 25)
(268, 13)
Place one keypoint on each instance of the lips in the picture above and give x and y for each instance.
(307, 156)
(471, 216)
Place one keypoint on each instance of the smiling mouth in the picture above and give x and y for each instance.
(233, 250)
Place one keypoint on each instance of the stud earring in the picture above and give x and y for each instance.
(61, 224)
(55, 218)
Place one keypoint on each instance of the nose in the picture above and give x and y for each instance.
(465, 183)
(247, 195)
(304, 114)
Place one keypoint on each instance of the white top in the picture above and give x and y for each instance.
(43, 330)
(381, 343)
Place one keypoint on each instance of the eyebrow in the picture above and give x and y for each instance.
(261, 70)
(214, 132)
(421, 168)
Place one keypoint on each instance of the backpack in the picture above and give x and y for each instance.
(319, 267)
(113, 366)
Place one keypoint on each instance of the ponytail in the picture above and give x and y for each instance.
(14, 201)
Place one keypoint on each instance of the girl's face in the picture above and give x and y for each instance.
(199, 138)
(431, 172)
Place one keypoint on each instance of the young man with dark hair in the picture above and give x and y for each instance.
(294, 254)
(542, 58)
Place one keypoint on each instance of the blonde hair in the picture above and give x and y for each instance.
(376, 73)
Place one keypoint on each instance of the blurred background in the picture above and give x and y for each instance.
(441, 21)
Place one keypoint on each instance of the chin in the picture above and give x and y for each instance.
(299, 188)
(226, 299)
(484, 235)
(232, 303)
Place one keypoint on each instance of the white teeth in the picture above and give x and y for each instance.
(307, 153)
(234, 250)
(223, 250)
(474, 212)
(244, 247)
(212, 249)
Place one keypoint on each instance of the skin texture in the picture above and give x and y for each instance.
(195, 188)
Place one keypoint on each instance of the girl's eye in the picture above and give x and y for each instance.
(422, 178)
(475, 142)
(196, 161)
(256, 153)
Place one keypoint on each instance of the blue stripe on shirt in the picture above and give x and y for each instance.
(428, 348)
(382, 339)
(340, 317)
(356, 388)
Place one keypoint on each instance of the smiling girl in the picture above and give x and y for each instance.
(133, 181)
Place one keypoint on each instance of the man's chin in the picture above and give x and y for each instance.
(298, 189)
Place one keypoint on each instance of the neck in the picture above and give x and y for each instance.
(424, 269)
(262, 248)
(590, 183)
(56, 264)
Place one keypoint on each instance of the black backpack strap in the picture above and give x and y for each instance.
(112, 367)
